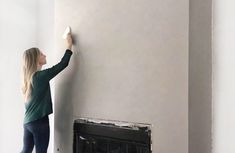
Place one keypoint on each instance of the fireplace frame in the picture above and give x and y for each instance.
(123, 132)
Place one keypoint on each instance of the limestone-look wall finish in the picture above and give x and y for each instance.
(131, 65)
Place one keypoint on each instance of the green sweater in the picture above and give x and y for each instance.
(40, 103)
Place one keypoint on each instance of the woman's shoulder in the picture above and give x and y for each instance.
(36, 75)
(40, 75)
(38, 78)
(39, 72)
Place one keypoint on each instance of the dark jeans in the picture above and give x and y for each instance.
(36, 133)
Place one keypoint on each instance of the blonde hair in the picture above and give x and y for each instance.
(30, 65)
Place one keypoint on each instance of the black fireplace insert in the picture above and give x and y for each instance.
(110, 137)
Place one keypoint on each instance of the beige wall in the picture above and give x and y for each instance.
(200, 76)
(132, 66)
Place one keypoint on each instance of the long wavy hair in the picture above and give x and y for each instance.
(29, 67)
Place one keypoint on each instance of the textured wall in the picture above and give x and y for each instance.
(200, 76)
(132, 66)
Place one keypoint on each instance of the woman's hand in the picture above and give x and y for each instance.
(69, 40)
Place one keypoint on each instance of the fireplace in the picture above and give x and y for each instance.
(102, 136)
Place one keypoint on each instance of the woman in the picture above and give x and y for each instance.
(36, 91)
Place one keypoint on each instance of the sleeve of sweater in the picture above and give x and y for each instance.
(48, 74)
